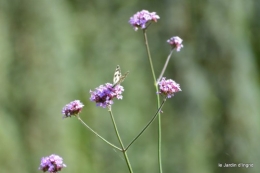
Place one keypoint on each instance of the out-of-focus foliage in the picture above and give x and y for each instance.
(55, 51)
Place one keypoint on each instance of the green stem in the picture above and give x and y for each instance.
(120, 141)
(165, 65)
(149, 55)
(148, 124)
(98, 134)
(158, 102)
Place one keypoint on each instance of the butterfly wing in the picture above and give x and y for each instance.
(122, 78)
(117, 75)
(118, 78)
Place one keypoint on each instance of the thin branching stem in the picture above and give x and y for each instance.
(165, 66)
(120, 141)
(147, 125)
(158, 103)
(98, 134)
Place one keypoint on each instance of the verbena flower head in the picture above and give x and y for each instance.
(175, 42)
(104, 94)
(52, 164)
(73, 108)
(141, 18)
(168, 87)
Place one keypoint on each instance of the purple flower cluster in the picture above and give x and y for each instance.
(175, 42)
(104, 94)
(52, 163)
(73, 108)
(168, 87)
(140, 19)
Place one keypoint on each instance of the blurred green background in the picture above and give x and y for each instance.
(55, 51)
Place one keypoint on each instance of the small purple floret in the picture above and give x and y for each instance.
(168, 87)
(104, 94)
(73, 108)
(52, 164)
(141, 18)
(175, 43)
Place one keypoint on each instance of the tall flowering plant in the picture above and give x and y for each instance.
(104, 95)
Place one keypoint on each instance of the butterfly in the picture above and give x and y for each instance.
(118, 78)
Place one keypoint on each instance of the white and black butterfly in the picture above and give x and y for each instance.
(118, 78)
